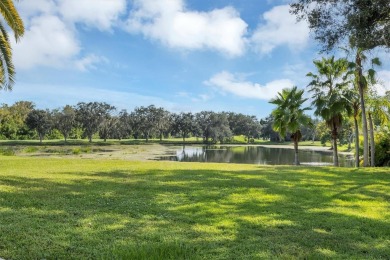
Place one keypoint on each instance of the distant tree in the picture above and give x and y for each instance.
(145, 120)
(323, 133)
(203, 124)
(108, 126)
(219, 127)
(12, 120)
(267, 132)
(364, 23)
(241, 124)
(163, 121)
(12, 18)
(289, 115)
(65, 120)
(331, 96)
(124, 126)
(41, 121)
(183, 124)
(91, 115)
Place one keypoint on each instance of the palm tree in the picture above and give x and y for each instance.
(289, 115)
(362, 80)
(13, 20)
(355, 103)
(331, 96)
(377, 107)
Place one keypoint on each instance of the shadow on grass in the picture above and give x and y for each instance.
(268, 212)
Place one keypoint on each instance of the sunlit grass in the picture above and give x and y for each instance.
(114, 209)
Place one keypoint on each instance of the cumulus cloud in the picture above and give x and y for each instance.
(169, 22)
(280, 28)
(47, 41)
(51, 35)
(101, 14)
(234, 84)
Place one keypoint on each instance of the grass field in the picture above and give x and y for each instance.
(115, 209)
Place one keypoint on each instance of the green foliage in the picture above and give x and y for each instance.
(382, 147)
(39, 120)
(8, 151)
(54, 134)
(289, 114)
(11, 20)
(91, 115)
(364, 23)
(31, 149)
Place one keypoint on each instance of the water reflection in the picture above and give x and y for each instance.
(253, 155)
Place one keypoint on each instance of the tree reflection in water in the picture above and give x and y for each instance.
(254, 155)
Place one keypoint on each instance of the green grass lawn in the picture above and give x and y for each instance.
(115, 209)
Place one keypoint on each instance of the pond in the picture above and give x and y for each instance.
(253, 155)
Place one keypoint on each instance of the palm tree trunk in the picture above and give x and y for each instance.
(356, 142)
(372, 140)
(335, 154)
(296, 159)
(363, 107)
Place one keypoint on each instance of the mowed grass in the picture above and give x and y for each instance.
(113, 209)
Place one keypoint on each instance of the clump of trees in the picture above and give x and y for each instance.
(361, 25)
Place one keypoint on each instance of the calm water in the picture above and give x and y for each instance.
(253, 155)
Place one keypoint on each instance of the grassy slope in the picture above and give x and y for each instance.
(58, 208)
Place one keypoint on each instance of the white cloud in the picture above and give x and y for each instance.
(28, 8)
(101, 14)
(51, 35)
(280, 28)
(169, 22)
(232, 83)
(48, 41)
(89, 62)
(384, 82)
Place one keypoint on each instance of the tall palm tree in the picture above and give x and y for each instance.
(13, 21)
(355, 103)
(362, 80)
(289, 115)
(330, 95)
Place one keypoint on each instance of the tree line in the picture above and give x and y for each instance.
(98, 119)
(22, 121)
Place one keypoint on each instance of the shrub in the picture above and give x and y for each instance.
(382, 148)
(7, 151)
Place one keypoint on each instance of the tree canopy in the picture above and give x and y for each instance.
(364, 23)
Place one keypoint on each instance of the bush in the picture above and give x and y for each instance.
(382, 148)
(7, 151)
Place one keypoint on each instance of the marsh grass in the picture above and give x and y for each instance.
(113, 209)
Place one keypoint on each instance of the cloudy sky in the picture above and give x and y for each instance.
(183, 55)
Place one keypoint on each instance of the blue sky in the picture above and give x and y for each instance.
(183, 55)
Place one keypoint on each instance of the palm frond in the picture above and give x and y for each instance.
(11, 16)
